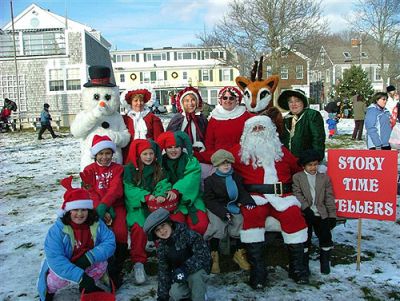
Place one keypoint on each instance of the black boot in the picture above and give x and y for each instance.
(306, 260)
(324, 259)
(256, 258)
(297, 269)
(116, 263)
(49, 297)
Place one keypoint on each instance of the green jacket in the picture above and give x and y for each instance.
(188, 185)
(135, 202)
(309, 132)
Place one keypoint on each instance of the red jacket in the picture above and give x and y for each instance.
(106, 184)
(154, 129)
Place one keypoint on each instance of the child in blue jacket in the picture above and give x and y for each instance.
(77, 246)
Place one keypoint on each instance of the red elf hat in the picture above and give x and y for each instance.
(74, 198)
(101, 142)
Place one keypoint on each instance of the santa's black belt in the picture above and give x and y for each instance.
(277, 188)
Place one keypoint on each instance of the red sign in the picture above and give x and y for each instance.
(364, 183)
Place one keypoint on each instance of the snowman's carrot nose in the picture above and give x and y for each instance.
(102, 104)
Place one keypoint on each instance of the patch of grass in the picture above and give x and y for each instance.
(13, 212)
(26, 245)
(368, 294)
(378, 271)
(394, 295)
(340, 141)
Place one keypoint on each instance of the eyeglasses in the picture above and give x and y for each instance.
(230, 97)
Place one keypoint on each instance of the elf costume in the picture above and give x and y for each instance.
(184, 175)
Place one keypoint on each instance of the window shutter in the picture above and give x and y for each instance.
(168, 58)
(137, 57)
(211, 75)
(231, 71)
(200, 79)
(175, 56)
(145, 57)
(220, 75)
(165, 75)
(153, 76)
(198, 55)
(141, 76)
(202, 55)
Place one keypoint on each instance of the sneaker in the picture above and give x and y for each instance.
(240, 258)
(140, 274)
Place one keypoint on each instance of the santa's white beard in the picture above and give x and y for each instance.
(260, 149)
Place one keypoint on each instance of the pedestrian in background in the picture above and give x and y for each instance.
(377, 123)
(359, 109)
(45, 122)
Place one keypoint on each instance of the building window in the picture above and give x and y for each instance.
(187, 55)
(8, 89)
(122, 78)
(56, 80)
(284, 72)
(205, 75)
(213, 97)
(184, 75)
(327, 75)
(43, 43)
(347, 56)
(226, 75)
(160, 75)
(73, 79)
(7, 45)
(299, 72)
(378, 75)
(156, 56)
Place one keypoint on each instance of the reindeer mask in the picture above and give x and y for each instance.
(258, 93)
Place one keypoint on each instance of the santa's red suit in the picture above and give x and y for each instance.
(285, 208)
(108, 189)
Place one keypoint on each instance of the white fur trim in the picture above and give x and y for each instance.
(187, 93)
(270, 173)
(78, 204)
(100, 146)
(252, 235)
(296, 237)
(219, 113)
(259, 200)
(282, 203)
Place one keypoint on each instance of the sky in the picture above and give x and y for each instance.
(135, 24)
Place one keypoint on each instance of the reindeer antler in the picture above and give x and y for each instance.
(260, 66)
(67, 183)
(253, 72)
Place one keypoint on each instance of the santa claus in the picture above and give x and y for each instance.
(267, 168)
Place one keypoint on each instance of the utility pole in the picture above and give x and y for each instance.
(16, 65)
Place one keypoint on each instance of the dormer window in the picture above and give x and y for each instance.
(347, 56)
(364, 55)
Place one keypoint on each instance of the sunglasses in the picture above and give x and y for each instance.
(230, 98)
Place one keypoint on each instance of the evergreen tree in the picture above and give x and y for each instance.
(355, 81)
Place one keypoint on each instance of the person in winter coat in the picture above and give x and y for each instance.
(267, 168)
(77, 246)
(315, 193)
(332, 125)
(303, 127)
(190, 118)
(45, 122)
(103, 180)
(359, 109)
(183, 258)
(139, 120)
(183, 172)
(224, 194)
(144, 183)
(377, 123)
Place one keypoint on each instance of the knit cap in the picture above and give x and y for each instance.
(220, 156)
(138, 146)
(177, 138)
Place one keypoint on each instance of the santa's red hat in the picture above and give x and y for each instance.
(177, 138)
(74, 198)
(146, 95)
(181, 95)
(233, 90)
(101, 142)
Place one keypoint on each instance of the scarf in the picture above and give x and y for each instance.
(230, 184)
(190, 125)
(138, 123)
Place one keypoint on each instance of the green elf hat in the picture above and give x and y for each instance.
(178, 138)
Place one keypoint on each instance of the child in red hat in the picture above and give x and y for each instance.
(145, 187)
(184, 173)
(103, 180)
(77, 246)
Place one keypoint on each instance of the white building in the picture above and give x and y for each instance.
(53, 55)
(168, 70)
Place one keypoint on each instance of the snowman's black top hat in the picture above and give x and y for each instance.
(99, 77)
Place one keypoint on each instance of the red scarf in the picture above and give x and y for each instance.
(83, 240)
(191, 117)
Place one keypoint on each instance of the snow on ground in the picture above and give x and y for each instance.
(30, 194)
